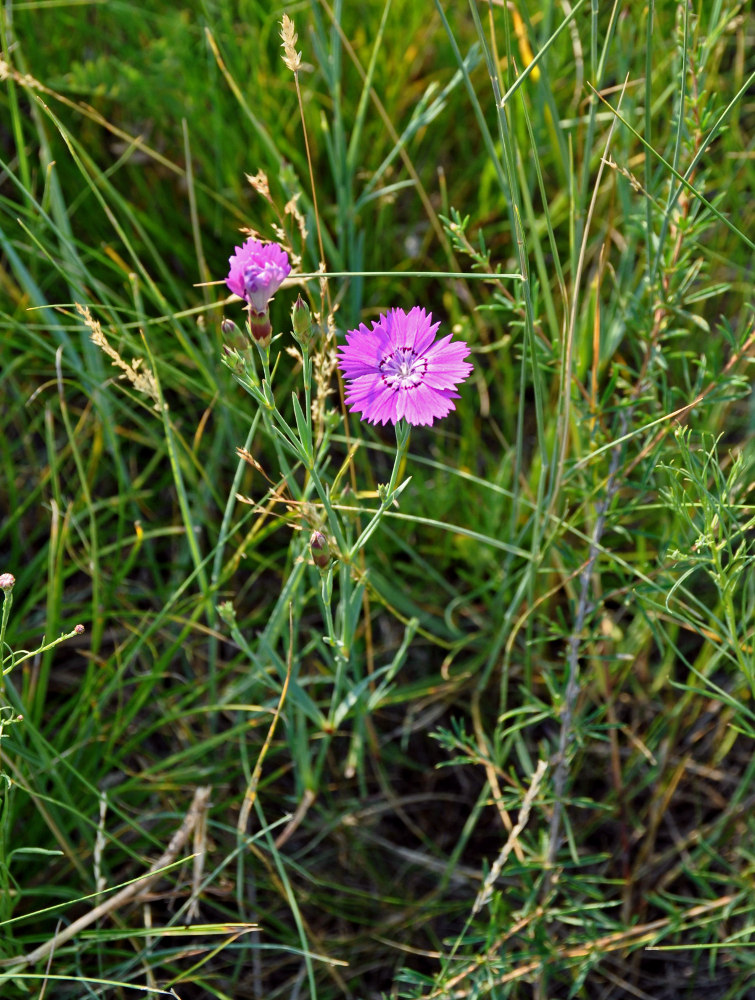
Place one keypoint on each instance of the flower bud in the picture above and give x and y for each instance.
(260, 328)
(227, 613)
(79, 630)
(319, 549)
(301, 320)
(228, 327)
(7, 581)
(233, 360)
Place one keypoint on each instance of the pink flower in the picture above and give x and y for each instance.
(257, 272)
(398, 371)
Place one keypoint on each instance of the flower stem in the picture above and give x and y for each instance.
(387, 493)
(7, 602)
(333, 520)
(307, 376)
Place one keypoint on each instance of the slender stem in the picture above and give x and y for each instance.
(270, 413)
(333, 521)
(265, 355)
(311, 169)
(307, 376)
(337, 643)
(342, 649)
(326, 591)
(481, 276)
(7, 603)
(217, 564)
(25, 655)
(402, 444)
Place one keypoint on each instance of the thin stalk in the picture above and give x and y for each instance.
(333, 521)
(402, 443)
(7, 605)
(649, 53)
(316, 275)
(217, 565)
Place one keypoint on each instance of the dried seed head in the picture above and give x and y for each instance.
(291, 57)
(137, 373)
(260, 184)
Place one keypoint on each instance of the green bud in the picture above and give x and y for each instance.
(233, 360)
(227, 613)
(301, 320)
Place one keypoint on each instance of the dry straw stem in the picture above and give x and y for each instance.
(633, 937)
(193, 817)
(140, 377)
(487, 889)
(292, 59)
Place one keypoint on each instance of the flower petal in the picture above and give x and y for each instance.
(257, 271)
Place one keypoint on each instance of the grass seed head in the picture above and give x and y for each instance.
(291, 57)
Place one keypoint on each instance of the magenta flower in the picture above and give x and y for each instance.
(257, 272)
(398, 371)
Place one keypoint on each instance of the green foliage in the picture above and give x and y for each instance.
(566, 577)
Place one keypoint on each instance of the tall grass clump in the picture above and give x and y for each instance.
(344, 655)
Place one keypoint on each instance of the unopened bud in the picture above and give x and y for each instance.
(79, 630)
(228, 327)
(260, 328)
(227, 613)
(319, 549)
(6, 582)
(233, 360)
(301, 320)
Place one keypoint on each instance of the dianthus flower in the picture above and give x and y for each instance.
(257, 272)
(398, 371)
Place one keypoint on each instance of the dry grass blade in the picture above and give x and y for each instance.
(198, 807)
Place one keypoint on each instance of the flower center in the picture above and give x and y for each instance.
(257, 278)
(403, 369)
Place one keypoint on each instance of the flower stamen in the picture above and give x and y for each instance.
(403, 369)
